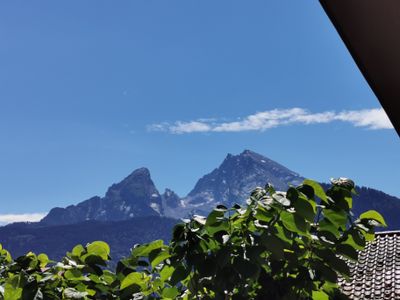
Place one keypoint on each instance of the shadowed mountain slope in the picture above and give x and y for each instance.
(134, 196)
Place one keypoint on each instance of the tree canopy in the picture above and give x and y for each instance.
(279, 245)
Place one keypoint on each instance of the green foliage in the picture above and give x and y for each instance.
(279, 246)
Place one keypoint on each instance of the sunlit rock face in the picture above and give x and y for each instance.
(233, 180)
(134, 196)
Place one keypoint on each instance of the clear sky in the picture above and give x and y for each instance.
(91, 90)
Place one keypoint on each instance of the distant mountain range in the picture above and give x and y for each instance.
(137, 195)
(135, 206)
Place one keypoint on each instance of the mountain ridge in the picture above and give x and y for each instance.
(136, 195)
(149, 214)
(231, 182)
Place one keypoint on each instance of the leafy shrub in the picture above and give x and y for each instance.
(290, 245)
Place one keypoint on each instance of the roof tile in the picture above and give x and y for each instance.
(376, 275)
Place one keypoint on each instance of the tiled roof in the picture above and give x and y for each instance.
(376, 275)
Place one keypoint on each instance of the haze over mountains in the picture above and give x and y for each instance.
(133, 210)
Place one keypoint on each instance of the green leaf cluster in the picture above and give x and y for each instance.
(280, 245)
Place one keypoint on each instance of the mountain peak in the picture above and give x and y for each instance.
(254, 155)
(228, 156)
(246, 156)
(136, 195)
(236, 177)
(171, 202)
(247, 152)
(140, 172)
(139, 175)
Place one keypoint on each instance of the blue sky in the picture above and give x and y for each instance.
(91, 90)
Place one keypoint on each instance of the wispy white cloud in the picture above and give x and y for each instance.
(182, 127)
(11, 218)
(375, 118)
(370, 118)
(192, 126)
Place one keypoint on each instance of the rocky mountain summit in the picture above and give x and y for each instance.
(230, 183)
(234, 179)
(137, 195)
(134, 196)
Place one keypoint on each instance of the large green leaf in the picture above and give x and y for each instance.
(170, 293)
(133, 278)
(263, 215)
(99, 248)
(326, 225)
(373, 215)
(108, 277)
(217, 227)
(318, 190)
(166, 272)
(342, 197)
(327, 238)
(337, 217)
(43, 260)
(4, 254)
(356, 240)
(74, 275)
(347, 251)
(216, 216)
(305, 209)
(340, 266)
(78, 250)
(28, 261)
(369, 233)
(307, 190)
(179, 274)
(157, 256)
(326, 272)
(283, 234)
(294, 223)
(319, 295)
(144, 250)
(13, 288)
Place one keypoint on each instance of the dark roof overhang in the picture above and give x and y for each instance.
(371, 31)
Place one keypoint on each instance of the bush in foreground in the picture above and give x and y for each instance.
(280, 245)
